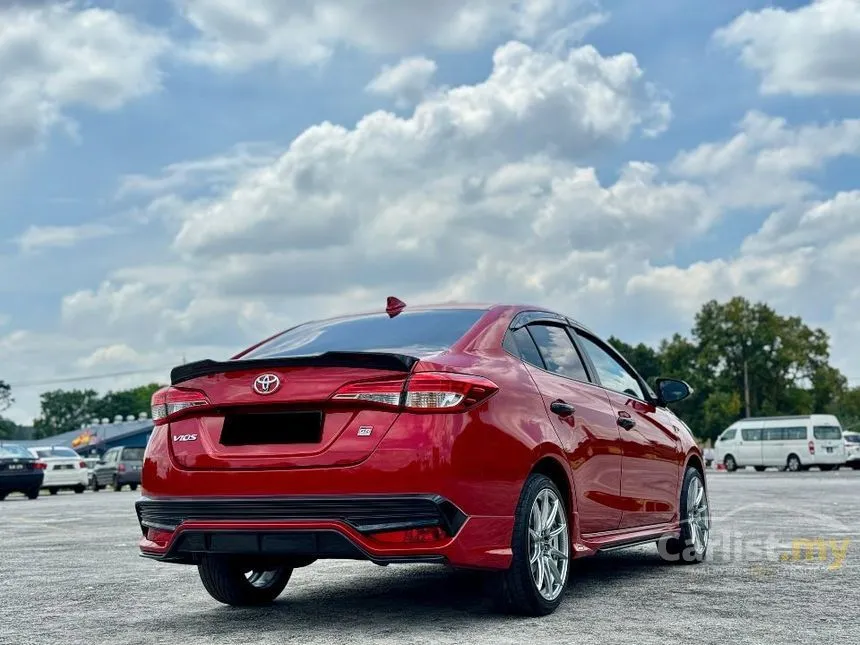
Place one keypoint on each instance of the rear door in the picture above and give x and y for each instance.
(829, 446)
(105, 470)
(652, 453)
(583, 419)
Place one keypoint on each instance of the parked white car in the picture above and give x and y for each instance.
(792, 443)
(852, 449)
(64, 469)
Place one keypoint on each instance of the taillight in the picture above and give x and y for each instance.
(169, 402)
(811, 447)
(422, 392)
(41, 465)
(82, 464)
(120, 468)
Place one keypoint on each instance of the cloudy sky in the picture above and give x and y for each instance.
(179, 178)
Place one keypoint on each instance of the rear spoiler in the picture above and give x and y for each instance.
(363, 360)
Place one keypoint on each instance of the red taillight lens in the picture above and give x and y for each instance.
(423, 391)
(168, 402)
(120, 468)
(83, 465)
(811, 447)
(41, 465)
(445, 391)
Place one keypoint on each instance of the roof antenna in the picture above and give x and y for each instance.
(394, 306)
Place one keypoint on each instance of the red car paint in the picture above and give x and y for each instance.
(622, 485)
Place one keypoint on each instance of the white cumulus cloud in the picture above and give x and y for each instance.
(810, 50)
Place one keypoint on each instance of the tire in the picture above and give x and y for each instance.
(695, 521)
(133, 486)
(518, 591)
(3, 496)
(94, 484)
(730, 463)
(760, 469)
(792, 464)
(225, 580)
(80, 489)
(32, 494)
(53, 491)
(826, 468)
(117, 486)
(855, 466)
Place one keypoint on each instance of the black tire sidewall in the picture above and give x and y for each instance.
(224, 579)
(680, 550)
(519, 589)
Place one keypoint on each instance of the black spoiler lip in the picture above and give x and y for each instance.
(366, 360)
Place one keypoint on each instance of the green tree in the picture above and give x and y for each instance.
(125, 402)
(63, 411)
(778, 363)
(739, 349)
(6, 399)
(643, 358)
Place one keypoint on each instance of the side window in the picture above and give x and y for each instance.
(774, 434)
(751, 434)
(558, 351)
(795, 434)
(520, 343)
(729, 435)
(613, 375)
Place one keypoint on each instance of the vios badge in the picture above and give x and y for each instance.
(267, 384)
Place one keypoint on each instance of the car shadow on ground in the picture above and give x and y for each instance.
(408, 598)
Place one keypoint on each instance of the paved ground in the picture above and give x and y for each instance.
(69, 573)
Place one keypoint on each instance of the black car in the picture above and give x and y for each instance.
(20, 471)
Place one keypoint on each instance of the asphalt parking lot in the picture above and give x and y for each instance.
(70, 573)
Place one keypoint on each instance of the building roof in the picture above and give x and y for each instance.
(105, 432)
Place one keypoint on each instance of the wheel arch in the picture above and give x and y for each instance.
(553, 467)
(694, 460)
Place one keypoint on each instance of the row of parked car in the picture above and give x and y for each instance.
(54, 468)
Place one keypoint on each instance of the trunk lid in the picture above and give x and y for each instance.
(278, 413)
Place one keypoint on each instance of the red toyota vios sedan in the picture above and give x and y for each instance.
(504, 438)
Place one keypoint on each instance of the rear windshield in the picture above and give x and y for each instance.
(132, 454)
(852, 438)
(14, 450)
(418, 333)
(56, 452)
(827, 432)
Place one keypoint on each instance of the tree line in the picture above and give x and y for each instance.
(741, 358)
(67, 410)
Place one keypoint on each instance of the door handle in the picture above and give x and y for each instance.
(626, 422)
(561, 408)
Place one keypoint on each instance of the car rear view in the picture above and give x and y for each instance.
(336, 439)
(20, 471)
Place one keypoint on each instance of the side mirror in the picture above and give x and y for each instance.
(672, 390)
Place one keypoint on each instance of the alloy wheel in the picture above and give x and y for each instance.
(698, 515)
(261, 579)
(549, 545)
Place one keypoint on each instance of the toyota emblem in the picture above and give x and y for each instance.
(267, 384)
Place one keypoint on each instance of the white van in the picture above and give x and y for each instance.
(791, 443)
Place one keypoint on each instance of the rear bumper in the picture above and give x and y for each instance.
(65, 478)
(21, 483)
(428, 528)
